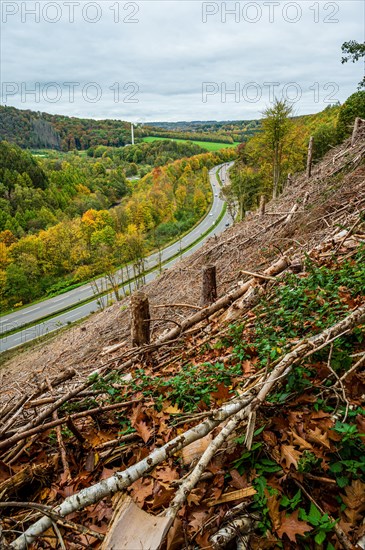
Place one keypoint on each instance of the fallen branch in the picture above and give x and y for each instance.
(122, 480)
(257, 275)
(49, 511)
(193, 478)
(234, 529)
(39, 429)
(28, 474)
(246, 404)
(177, 305)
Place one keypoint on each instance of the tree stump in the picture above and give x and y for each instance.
(310, 157)
(209, 285)
(140, 313)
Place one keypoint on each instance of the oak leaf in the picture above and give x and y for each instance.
(197, 519)
(141, 490)
(354, 500)
(302, 443)
(143, 430)
(290, 456)
(318, 437)
(222, 394)
(291, 526)
(165, 475)
(172, 409)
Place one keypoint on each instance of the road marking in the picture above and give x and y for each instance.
(27, 312)
(71, 316)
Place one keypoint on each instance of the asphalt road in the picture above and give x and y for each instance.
(73, 297)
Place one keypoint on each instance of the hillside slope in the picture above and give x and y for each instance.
(283, 346)
(36, 130)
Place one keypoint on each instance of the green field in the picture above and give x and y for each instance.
(208, 145)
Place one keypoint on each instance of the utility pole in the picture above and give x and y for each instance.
(132, 133)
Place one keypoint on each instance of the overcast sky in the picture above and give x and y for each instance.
(176, 60)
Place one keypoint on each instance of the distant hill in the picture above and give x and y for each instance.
(228, 131)
(36, 130)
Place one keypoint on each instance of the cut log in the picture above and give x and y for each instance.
(133, 528)
(251, 291)
(140, 312)
(209, 285)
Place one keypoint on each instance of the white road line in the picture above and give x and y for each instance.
(58, 300)
(34, 309)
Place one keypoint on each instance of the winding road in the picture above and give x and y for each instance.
(62, 303)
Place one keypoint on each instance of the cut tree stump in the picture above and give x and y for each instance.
(132, 528)
(140, 313)
(209, 285)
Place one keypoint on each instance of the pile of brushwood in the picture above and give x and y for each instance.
(242, 427)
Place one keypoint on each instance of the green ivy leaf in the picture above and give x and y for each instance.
(320, 537)
(342, 481)
(314, 516)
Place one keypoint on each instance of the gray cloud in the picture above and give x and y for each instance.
(170, 52)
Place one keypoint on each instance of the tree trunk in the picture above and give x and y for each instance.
(355, 131)
(262, 205)
(310, 157)
(140, 313)
(276, 178)
(209, 285)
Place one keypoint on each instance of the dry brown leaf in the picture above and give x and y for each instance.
(143, 430)
(172, 409)
(222, 394)
(197, 519)
(141, 490)
(161, 495)
(273, 504)
(289, 455)
(318, 437)
(270, 438)
(237, 479)
(302, 443)
(202, 540)
(195, 497)
(292, 526)
(165, 474)
(360, 423)
(354, 500)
